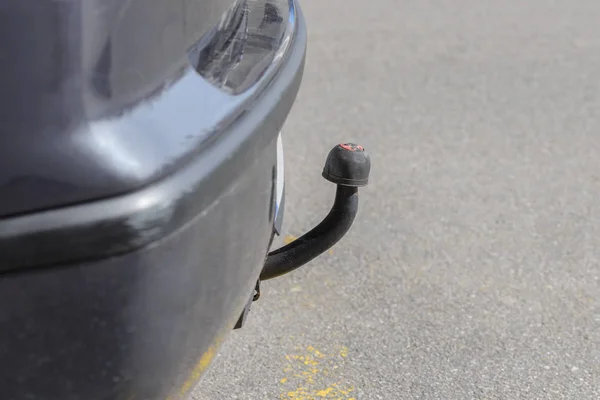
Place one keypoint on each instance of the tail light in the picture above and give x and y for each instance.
(250, 39)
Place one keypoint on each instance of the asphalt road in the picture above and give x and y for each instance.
(473, 269)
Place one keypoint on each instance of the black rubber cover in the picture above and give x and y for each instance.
(348, 164)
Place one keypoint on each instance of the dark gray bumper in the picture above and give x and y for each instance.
(128, 298)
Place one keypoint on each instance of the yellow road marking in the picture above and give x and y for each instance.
(306, 372)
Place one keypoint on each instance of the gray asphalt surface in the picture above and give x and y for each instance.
(472, 271)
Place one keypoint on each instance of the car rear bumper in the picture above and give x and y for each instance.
(129, 297)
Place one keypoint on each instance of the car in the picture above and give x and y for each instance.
(142, 184)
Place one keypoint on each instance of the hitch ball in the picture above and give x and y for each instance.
(348, 166)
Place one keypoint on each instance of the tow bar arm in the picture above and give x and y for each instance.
(348, 166)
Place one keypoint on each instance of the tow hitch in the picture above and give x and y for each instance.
(348, 166)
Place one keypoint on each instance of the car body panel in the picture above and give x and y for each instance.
(128, 297)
